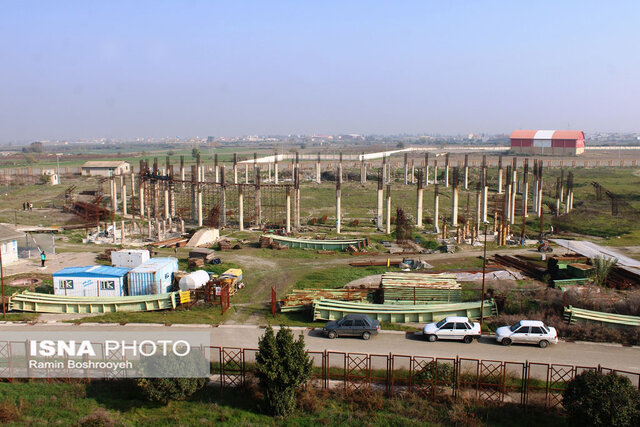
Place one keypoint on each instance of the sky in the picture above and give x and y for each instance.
(122, 69)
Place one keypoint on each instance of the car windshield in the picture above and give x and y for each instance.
(440, 323)
(514, 327)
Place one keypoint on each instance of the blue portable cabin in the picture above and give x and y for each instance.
(91, 281)
(152, 277)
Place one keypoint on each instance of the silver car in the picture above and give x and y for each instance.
(527, 332)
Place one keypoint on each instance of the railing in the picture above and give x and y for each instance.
(491, 381)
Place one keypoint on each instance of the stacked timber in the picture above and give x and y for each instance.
(415, 288)
(299, 300)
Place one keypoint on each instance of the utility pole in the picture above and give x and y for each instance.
(4, 307)
(484, 271)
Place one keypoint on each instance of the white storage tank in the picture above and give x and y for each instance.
(129, 258)
(194, 280)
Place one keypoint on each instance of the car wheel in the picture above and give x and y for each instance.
(332, 334)
(366, 335)
(506, 341)
(432, 338)
(543, 344)
(468, 339)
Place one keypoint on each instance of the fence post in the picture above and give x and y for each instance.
(390, 376)
(325, 370)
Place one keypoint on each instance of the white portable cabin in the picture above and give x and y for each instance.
(129, 258)
(91, 281)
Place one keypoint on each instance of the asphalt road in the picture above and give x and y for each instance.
(581, 354)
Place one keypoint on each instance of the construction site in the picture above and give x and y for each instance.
(415, 209)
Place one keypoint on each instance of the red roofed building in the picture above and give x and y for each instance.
(551, 142)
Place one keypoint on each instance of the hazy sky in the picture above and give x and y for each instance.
(162, 68)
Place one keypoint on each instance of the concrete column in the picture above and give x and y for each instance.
(406, 170)
(454, 206)
(149, 225)
(114, 194)
(419, 205)
(512, 204)
(166, 200)
(123, 186)
(540, 187)
(318, 171)
(384, 169)
(388, 209)
(379, 225)
(258, 200)
(122, 233)
(507, 203)
(426, 169)
(338, 210)
(235, 168)
(269, 172)
(562, 185)
(114, 231)
(478, 217)
(413, 172)
(363, 171)
(436, 209)
(241, 208)
(182, 170)
(246, 173)
(288, 219)
(199, 208)
(485, 203)
(275, 170)
(525, 199)
(143, 193)
(435, 171)
(446, 171)
(296, 190)
(466, 172)
(500, 175)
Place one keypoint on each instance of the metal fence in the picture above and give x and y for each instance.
(488, 381)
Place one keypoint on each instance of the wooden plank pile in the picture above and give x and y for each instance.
(299, 300)
(414, 288)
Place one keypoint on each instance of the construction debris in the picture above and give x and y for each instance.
(204, 237)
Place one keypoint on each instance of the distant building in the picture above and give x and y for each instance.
(9, 244)
(105, 168)
(548, 142)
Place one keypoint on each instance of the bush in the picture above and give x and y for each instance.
(282, 366)
(596, 399)
(99, 417)
(160, 387)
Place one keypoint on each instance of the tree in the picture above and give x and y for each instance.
(195, 152)
(603, 267)
(404, 228)
(34, 147)
(596, 399)
(400, 144)
(282, 367)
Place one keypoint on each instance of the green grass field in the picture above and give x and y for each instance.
(118, 403)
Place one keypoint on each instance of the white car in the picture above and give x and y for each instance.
(527, 332)
(453, 328)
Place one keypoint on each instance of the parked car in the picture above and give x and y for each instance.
(352, 325)
(454, 328)
(527, 332)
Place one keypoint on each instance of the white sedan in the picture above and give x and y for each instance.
(527, 332)
(453, 328)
